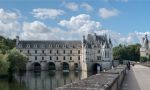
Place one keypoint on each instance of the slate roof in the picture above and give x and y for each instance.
(51, 44)
(97, 41)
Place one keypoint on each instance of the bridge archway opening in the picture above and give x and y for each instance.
(51, 66)
(65, 66)
(36, 66)
(96, 67)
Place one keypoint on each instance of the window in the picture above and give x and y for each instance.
(28, 46)
(98, 51)
(50, 51)
(64, 51)
(42, 46)
(42, 58)
(43, 51)
(36, 51)
(78, 51)
(50, 58)
(57, 51)
(70, 58)
(35, 57)
(70, 51)
(20, 45)
(57, 45)
(64, 58)
(56, 58)
(50, 45)
(78, 57)
(35, 46)
(28, 51)
(98, 57)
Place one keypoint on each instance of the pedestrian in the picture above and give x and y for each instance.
(128, 65)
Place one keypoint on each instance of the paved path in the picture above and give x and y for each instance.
(138, 78)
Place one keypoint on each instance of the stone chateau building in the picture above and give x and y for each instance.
(145, 47)
(91, 53)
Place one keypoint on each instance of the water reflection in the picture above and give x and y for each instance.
(45, 80)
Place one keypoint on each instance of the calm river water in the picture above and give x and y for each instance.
(41, 80)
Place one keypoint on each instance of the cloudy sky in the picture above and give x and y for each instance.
(126, 21)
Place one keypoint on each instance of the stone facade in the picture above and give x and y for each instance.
(145, 48)
(95, 51)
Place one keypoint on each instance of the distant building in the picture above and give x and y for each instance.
(145, 48)
(91, 53)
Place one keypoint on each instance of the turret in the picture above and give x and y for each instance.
(17, 40)
(145, 42)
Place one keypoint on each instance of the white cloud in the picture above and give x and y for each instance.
(87, 7)
(35, 27)
(81, 23)
(6, 15)
(107, 13)
(37, 30)
(9, 25)
(44, 13)
(72, 6)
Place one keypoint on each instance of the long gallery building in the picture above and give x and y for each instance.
(91, 53)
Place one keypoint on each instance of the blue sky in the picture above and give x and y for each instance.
(126, 21)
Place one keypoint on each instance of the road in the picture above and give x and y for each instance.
(138, 78)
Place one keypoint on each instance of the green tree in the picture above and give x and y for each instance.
(143, 59)
(130, 52)
(4, 65)
(17, 60)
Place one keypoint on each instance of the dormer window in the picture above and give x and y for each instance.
(35, 46)
(57, 45)
(28, 46)
(50, 45)
(20, 45)
(64, 46)
(42, 46)
(70, 46)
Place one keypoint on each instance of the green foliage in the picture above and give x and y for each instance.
(6, 45)
(4, 65)
(17, 60)
(143, 59)
(130, 52)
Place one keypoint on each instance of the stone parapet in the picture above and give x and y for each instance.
(109, 80)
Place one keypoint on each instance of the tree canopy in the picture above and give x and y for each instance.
(17, 60)
(130, 52)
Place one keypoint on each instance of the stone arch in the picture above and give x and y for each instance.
(51, 66)
(96, 67)
(76, 66)
(36, 66)
(65, 66)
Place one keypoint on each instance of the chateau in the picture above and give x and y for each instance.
(94, 52)
(145, 48)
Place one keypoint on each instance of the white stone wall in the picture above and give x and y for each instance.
(75, 56)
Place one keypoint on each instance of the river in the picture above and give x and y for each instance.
(41, 80)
